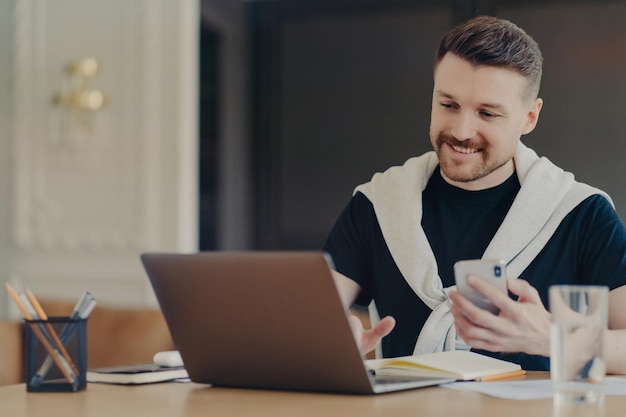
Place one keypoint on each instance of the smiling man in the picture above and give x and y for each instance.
(478, 115)
(480, 194)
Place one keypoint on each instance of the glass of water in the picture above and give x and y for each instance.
(577, 351)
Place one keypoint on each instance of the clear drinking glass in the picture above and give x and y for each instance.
(577, 357)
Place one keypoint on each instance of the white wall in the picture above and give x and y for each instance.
(78, 205)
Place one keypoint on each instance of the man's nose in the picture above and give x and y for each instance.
(464, 126)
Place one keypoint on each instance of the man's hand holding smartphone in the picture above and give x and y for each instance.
(492, 271)
(523, 325)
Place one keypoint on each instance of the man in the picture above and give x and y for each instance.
(480, 194)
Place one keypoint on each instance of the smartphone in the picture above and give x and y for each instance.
(491, 270)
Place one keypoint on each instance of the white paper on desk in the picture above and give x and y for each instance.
(530, 390)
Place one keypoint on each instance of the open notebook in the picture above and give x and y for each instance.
(269, 320)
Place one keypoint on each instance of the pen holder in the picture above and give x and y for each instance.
(56, 355)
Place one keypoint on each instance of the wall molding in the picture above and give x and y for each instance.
(85, 203)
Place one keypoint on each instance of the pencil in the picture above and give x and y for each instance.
(39, 334)
(81, 312)
(43, 316)
(501, 376)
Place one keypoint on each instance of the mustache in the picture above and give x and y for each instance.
(452, 141)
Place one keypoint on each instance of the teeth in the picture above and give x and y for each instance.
(465, 150)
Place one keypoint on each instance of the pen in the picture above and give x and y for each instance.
(501, 376)
(55, 337)
(81, 311)
(44, 341)
(46, 334)
(88, 309)
(82, 303)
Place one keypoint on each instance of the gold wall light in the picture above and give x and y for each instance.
(80, 94)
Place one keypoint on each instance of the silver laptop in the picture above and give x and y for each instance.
(270, 320)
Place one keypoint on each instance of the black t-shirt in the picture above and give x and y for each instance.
(588, 247)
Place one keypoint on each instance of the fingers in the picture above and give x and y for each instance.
(468, 313)
(521, 326)
(507, 306)
(479, 328)
(371, 338)
(384, 327)
(472, 334)
(490, 291)
(523, 290)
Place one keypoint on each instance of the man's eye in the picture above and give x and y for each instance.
(488, 115)
(447, 105)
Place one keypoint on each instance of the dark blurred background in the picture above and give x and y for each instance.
(341, 89)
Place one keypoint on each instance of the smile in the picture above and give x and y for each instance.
(465, 150)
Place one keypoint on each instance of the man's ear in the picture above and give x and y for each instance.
(532, 116)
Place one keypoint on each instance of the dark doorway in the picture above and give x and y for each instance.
(208, 136)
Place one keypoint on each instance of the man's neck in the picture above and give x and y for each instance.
(493, 179)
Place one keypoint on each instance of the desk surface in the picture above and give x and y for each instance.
(190, 400)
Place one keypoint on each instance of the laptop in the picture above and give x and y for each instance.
(269, 320)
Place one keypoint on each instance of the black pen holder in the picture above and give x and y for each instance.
(56, 355)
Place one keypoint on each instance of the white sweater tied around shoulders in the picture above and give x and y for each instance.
(546, 196)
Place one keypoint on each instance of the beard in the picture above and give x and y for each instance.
(465, 171)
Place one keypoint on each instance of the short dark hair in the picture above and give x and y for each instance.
(491, 41)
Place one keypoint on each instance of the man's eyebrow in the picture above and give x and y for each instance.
(494, 106)
(444, 94)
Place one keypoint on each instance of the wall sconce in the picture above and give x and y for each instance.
(77, 102)
(80, 94)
